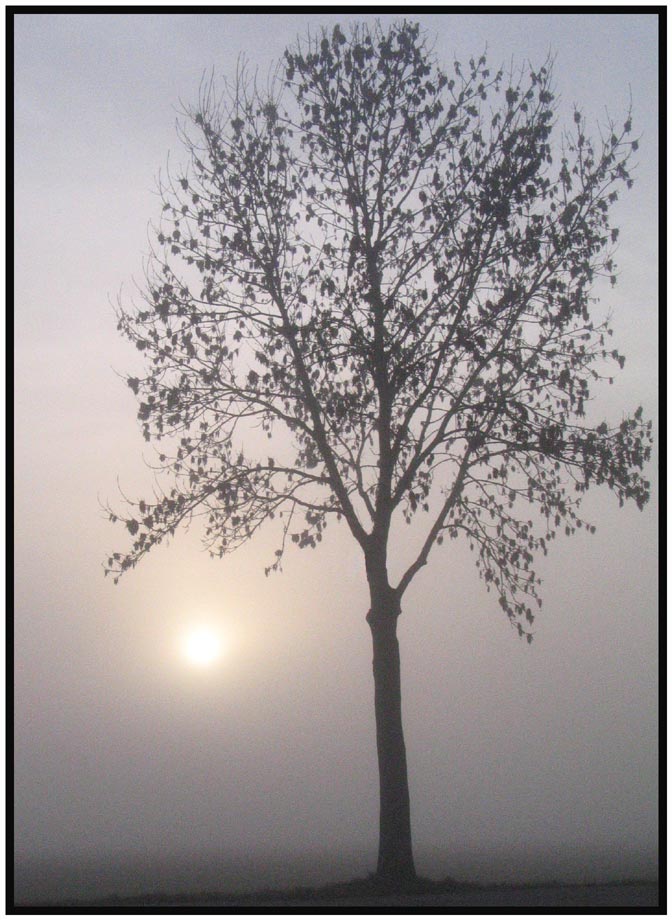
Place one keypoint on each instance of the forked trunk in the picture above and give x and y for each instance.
(395, 853)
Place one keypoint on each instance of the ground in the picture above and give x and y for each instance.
(448, 893)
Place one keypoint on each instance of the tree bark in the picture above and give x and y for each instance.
(395, 852)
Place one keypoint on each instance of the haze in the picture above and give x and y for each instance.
(137, 768)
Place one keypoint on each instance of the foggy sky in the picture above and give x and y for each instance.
(514, 750)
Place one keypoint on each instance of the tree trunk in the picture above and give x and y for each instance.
(395, 853)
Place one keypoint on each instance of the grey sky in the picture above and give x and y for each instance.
(120, 747)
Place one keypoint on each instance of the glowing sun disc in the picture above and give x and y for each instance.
(202, 647)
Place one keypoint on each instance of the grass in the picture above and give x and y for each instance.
(369, 891)
(370, 887)
(363, 890)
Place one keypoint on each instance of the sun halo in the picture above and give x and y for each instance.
(202, 646)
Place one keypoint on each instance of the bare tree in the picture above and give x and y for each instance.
(392, 266)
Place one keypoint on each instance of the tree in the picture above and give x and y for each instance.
(391, 265)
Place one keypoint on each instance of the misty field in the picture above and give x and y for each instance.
(488, 878)
(363, 893)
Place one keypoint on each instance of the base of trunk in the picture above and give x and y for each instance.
(395, 855)
(403, 880)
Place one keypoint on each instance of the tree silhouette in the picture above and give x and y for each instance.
(387, 268)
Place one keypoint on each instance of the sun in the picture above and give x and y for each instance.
(202, 646)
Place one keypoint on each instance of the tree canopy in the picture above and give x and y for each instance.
(385, 268)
